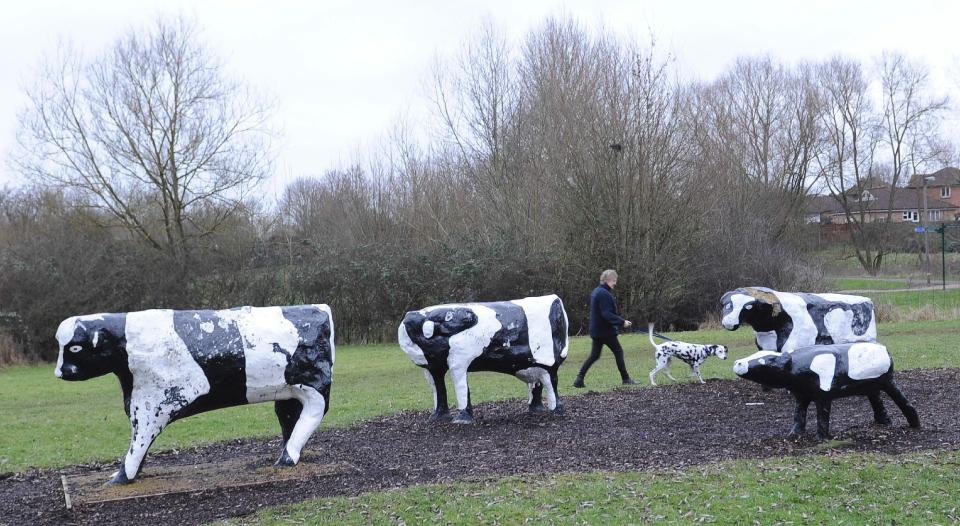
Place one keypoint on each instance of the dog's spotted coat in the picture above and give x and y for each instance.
(693, 354)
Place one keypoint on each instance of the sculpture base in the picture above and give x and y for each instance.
(154, 481)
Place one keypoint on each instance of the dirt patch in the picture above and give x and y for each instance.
(627, 429)
(89, 488)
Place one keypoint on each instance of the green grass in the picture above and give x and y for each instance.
(48, 422)
(868, 284)
(843, 261)
(919, 488)
(916, 299)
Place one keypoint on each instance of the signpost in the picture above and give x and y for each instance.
(942, 230)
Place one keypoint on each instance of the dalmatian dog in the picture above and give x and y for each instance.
(693, 354)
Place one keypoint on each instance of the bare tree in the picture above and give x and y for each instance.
(152, 132)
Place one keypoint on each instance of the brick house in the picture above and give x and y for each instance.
(942, 185)
(907, 205)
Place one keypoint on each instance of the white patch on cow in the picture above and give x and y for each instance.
(741, 366)
(839, 325)
(333, 347)
(844, 298)
(412, 350)
(207, 327)
(804, 330)
(166, 378)
(428, 329)
(824, 365)
(465, 346)
(867, 360)
(732, 319)
(261, 329)
(767, 340)
(539, 330)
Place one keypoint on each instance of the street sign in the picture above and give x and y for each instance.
(919, 229)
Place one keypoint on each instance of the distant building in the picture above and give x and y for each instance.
(942, 185)
(943, 202)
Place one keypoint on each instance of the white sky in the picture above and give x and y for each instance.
(343, 72)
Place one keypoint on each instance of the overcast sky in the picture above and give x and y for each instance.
(343, 72)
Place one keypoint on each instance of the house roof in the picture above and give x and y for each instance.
(903, 199)
(942, 177)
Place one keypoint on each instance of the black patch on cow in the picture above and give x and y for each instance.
(219, 353)
(310, 364)
(760, 317)
(447, 321)
(509, 349)
(558, 328)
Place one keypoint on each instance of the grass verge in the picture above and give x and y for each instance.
(919, 488)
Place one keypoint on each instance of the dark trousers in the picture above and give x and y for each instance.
(614, 344)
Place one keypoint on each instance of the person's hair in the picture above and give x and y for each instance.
(608, 274)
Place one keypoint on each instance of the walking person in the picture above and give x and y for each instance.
(605, 323)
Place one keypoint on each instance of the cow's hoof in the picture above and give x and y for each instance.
(284, 461)
(883, 421)
(463, 417)
(559, 409)
(438, 416)
(118, 478)
(823, 438)
(793, 435)
(538, 408)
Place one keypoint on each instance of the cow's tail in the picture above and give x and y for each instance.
(650, 335)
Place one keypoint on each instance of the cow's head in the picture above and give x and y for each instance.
(755, 306)
(765, 367)
(90, 346)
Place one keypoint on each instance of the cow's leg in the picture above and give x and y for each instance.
(145, 427)
(536, 397)
(554, 383)
(799, 418)
(880, 415)
(460, 385)
(314, 407)
(288, 412)
(823, 419)
(435, 377)
(908, 411)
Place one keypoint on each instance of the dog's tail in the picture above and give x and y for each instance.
(650, 334)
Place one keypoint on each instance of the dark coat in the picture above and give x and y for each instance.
(605, 319)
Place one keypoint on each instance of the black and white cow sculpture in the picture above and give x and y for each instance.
(172, 364)
(785, 321)
(526, 338)
(821, 373)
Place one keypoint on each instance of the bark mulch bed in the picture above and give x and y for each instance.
(627, 429)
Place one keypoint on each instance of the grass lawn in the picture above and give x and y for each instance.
(48, 422)
(859, 489)
(916, 299)
(869, 284)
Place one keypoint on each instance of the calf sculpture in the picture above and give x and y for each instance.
(526, 338)
(822, 373)
(172, 364)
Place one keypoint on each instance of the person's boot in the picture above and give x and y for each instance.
(629, 381)
(578, 382)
